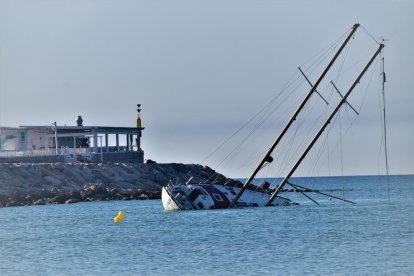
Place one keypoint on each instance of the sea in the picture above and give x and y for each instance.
(375, 236)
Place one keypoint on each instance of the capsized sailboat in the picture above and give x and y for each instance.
(202, 196)
(216, 196)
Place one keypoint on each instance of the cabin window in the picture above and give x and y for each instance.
(217, 197)
(201, 191)
(200, 205)
(194, 194)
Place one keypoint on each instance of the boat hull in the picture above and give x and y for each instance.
(213, 196)
(168, 202)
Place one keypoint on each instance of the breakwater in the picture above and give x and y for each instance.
(57, 183)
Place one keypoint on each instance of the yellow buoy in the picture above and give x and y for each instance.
(120, 217)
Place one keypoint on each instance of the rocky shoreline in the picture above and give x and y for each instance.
(58, 183)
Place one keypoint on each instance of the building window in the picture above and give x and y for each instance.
(22, 141)
(22, 137)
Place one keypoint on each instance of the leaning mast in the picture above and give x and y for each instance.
(328, 121)
(292, 119)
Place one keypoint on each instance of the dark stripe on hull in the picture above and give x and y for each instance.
(220, 199)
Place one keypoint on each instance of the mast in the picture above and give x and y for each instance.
(328, 121)
(292, 119)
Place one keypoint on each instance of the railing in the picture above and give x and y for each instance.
(44, 152)
(69, 155)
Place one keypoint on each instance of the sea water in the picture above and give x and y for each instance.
(371, 237)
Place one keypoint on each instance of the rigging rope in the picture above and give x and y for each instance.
(321, 56)
(266, 111)
(307, 111)
(341, 152)
(326, 140)
(344, 57)
(369, 34)
(385, 128)
(353, 120)
(318, 55)
(262, 110)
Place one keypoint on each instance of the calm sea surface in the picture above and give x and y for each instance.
(371, 237)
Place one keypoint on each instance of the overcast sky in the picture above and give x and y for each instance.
(200, 69)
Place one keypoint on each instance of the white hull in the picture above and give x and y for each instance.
(167, 201)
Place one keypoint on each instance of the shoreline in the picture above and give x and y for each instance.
(23, 184)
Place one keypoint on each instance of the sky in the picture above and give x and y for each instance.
(200, 69)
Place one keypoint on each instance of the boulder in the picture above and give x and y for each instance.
(59, 199)
(13, 203)
(41, 201)
(143, 197)
(94, 191)
(72, 200)
(53, 180)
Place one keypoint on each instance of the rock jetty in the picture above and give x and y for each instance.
(38, 184)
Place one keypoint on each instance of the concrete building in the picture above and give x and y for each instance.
(54, 143)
